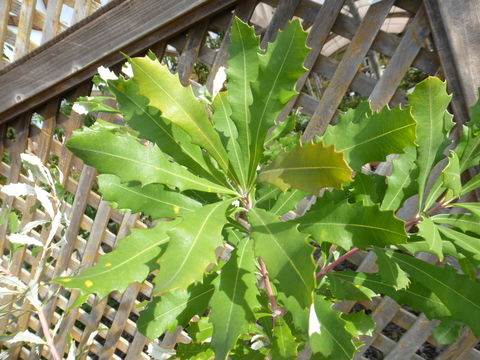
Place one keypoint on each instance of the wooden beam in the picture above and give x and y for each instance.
(131, 26)
(455, 27)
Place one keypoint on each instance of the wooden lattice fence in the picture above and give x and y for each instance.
(358, 51)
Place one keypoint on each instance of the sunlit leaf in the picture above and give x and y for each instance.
(309, 168)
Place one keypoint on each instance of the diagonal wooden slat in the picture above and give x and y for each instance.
(284, 12)
(401, 61)
(347, 68)
(190, 52)
(317, 37)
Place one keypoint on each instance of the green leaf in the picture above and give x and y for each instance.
(287, 201)
(134, 258)
(417, 244)
(429, 102)
(468, 245)
(241, 72)
(194, 352)
(174, 309)
(369, 189)
(153, 199)
(416, 295)
(359, 323)
(468, 147)
(286, 253)
(390, 272)
(192, 247)
(177, 104)
(124, 156)
(372, 136)
(284, 128)
(170, 138)
(349, 225)
(464, 222)
(234, 299)
(458, 292)
(451, 177)
(309, 168)
(328, 335)
(267, 195)
(284, 346)
(401, 183)
(201, 330)
(472, 207)
(229, 135)
(279, 68)
(447, 332)
(429, 231)
(339, 290)
(472, 184)
(89, 104)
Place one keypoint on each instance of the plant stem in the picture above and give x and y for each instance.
(268, 287)
(48, 336)
(336, 262)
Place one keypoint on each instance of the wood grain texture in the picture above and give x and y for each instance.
(51, 26)
(283, 13)
(407, 50)
(347, 68)
(132, 26)
(4, 15)
(190, 52)
(455, 32)
(317, 37)
(24, 29)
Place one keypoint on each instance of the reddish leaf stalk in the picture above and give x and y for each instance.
(336, 262)
(440, 206)
(268, 287)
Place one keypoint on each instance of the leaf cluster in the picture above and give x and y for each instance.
(219, 175)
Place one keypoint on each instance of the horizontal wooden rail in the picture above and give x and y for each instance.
(132, 26)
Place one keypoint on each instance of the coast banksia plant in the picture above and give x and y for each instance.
(224, 173)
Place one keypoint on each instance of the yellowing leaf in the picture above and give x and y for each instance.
(309, 168)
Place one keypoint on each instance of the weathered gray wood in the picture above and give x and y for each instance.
(132, 26)
(461, 349)
(4, 11)
(361, 83)
(406, 347)
(51, 25)
(88, 259)
(24, 29)
(190, 52)
(283, 13)
(461, 24)
(118, 324)
(455, 32)
(21, 132)
(347, 68)
(136, 347)
(321, 27)
(407, 50)
(93, 319)
(385, 43)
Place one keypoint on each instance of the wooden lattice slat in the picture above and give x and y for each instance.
(365, 37)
